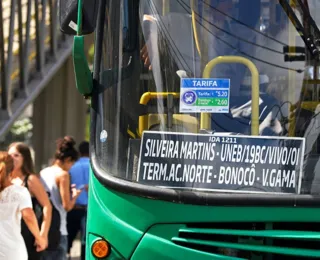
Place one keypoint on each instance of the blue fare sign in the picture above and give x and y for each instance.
(221, 162)
(204, 95)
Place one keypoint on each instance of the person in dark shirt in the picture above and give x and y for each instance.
(76, 219)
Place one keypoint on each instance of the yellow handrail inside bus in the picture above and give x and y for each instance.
(146, 97)
(292, 76)
(144, 100)
(205, 122)
(194, 25)
(165, 7)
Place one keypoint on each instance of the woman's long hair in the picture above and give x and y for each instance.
(27, 165)
(6, 167)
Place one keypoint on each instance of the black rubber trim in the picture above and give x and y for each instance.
(201, 198)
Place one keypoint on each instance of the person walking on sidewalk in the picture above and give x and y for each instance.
(15, 203)
(62, 194)
(77, 217)
(23, 174)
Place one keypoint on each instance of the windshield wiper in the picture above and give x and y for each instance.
(308, 39)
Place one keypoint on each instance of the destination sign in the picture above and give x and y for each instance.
(204, 95)
(221, 162)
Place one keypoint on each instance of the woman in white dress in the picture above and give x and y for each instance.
(23, 174)
(15, 202)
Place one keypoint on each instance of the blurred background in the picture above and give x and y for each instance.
(39, 101)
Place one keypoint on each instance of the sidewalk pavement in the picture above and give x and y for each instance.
(76, 250)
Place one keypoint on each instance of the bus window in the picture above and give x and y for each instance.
(176, 41)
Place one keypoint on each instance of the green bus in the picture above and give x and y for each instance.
(204, 122)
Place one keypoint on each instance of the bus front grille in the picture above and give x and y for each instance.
(277, 240)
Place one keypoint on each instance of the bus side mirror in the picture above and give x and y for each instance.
(68, 16)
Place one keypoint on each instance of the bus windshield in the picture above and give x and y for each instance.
(211, 95)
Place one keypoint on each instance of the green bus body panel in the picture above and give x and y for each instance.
(156, 245)
(268, 249)
(303, 235)
(129, 224)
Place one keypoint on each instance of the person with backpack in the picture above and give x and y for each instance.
(23, 174)
(57, 180)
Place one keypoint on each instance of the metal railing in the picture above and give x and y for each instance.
(32, 49)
